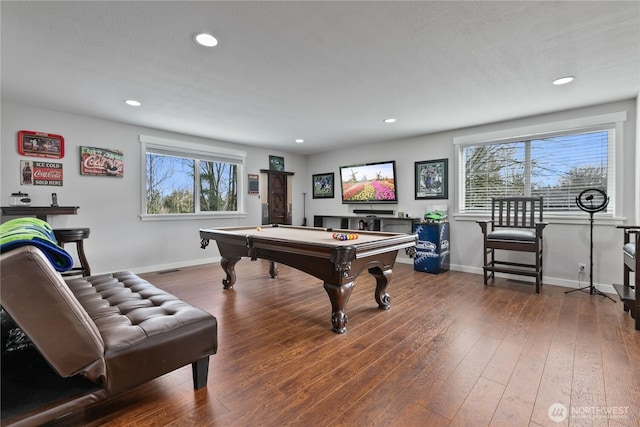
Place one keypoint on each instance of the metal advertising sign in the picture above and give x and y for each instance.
(40, 173)
(101, 162)
(40, 144)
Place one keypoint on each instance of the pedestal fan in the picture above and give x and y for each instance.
(592, 200)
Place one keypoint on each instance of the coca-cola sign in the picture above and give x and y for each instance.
(101, 162)
(41, 173)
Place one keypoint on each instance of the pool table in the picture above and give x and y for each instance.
(313, 250)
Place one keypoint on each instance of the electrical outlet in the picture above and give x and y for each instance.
(582, 268)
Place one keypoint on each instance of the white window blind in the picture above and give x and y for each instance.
(557, 166)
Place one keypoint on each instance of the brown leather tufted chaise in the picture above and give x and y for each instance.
(116, 330)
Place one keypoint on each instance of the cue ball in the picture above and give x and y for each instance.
(259, 228)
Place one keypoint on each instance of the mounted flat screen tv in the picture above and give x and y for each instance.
(369, 183)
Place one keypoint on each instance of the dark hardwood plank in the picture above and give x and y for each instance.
(450, 351)
(556, 382)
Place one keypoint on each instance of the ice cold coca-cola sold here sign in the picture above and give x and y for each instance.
(47, 173)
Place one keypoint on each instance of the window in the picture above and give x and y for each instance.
(555, 165)
(181, 178)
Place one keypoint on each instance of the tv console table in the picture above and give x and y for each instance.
(373, 222)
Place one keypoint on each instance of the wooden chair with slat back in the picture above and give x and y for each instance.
(516, 225)
(628, 291)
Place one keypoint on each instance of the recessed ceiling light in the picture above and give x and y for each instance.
(391, 120)
(299, 141)
(132, 102)
(563, 80)
(205, 39)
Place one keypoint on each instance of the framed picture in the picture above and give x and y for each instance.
(432, 179)
(40, 144)
(101, 162)
(276, 163)
(323, 186)
(254, 184)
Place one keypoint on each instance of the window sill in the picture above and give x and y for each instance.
(573, 218)
(193, 216)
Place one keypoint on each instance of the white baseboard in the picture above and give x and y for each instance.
(174, 265)
(553, 281)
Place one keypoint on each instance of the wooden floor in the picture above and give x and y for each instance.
(449, 352)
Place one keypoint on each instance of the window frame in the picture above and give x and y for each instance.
(195, 151)
(613, 121)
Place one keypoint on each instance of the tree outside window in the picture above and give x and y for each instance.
(218, 186)
(183, 185)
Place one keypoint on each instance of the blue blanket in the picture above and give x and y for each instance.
(35, 232)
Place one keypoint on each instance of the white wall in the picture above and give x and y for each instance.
(637, 160)
(111, 206)
(566, 244)
(121, 241)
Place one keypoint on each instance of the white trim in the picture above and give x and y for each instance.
(551, 218)
(204, 152)
(547, 281)
(612, 121)
(516, 134)
(196, 216)
(173, 265)
(190, 146)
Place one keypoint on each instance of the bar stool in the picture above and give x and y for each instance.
(77, 236)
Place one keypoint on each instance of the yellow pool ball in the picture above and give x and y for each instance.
(259, 228)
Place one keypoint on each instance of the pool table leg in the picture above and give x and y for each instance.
(339, 296)
(273, 269)
(228, 266)
(383, 278)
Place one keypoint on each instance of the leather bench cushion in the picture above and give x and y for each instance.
(513, 234)
(630, 249)
(42, 305)
(146, 331)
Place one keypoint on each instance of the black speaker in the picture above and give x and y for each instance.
(373, 211)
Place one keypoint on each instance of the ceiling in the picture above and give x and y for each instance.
(327, 72)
